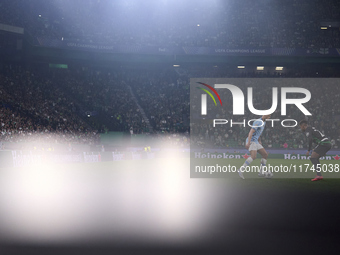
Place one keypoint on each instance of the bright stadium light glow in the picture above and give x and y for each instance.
(260, 68)
(241, 67)
(198, 25)
(176, 65)
(279, 68)
(323, 28)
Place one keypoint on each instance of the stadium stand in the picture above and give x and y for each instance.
(79, 103)
(76, 105)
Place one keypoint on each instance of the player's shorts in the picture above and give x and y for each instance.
(255, 146)
(322, 149)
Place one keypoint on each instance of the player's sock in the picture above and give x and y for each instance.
(318, 170)
(246, 163)
(315, 162)
(263, 164)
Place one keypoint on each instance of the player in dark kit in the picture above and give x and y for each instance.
(322, 147)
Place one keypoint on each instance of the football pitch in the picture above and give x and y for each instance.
(146, 202)
(299, 177)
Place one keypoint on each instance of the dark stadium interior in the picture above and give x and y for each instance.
(76, 75)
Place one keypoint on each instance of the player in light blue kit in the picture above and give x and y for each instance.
(254, 145)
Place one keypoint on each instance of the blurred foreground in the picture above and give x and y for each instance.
(152, 206)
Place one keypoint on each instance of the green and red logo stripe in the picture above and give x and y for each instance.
(213, 90)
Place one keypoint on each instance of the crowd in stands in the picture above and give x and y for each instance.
(76, 105)
(233, 23)
(66, 106)
(162, 94)
(105, 98)
(164, 97)
(35, 107)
